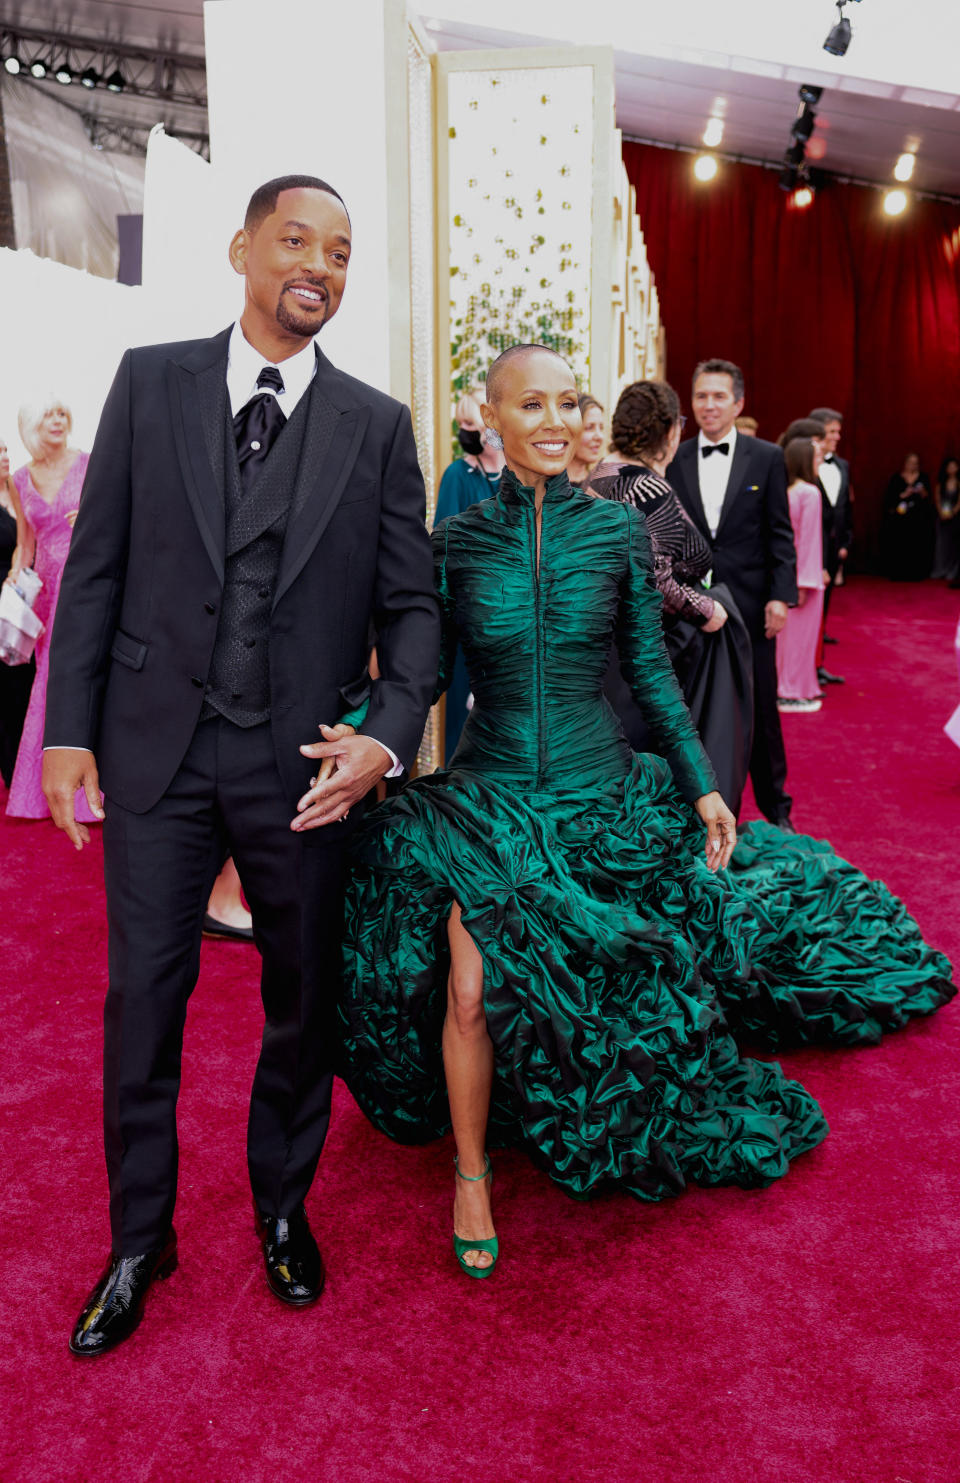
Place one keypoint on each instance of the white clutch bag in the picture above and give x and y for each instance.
(19, 625)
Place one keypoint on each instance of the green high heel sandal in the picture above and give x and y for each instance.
(485, 1243)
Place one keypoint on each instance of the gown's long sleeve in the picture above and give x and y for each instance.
(647, 669)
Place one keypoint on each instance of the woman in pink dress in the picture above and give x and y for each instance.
(797, 686)
(49, 492)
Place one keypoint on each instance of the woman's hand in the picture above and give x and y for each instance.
(721, 830)
(327, 765)
(359, 764)
(717, 619)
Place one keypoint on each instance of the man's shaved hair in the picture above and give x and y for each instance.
(263, 202)
(495, 373)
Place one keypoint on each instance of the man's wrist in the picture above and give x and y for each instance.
(395, 769)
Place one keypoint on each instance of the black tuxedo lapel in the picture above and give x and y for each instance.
(739, 467)
(331, 443)
(687, 467)
(198, 405)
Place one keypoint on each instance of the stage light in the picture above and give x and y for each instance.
(13, 65)
(903, 169)
(840, 35)
(38, 69)
(788, 178)
(803, 197)
(116, 82)
(89, 78)
(795, 154)
(713, 133)
(809, 93)
(804, 122)
(64, 74)
(705, 167)
(895, 203)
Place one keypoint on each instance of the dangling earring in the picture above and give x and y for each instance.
(493, 438)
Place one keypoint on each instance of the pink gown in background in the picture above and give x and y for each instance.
(53, 531)
(798, 640)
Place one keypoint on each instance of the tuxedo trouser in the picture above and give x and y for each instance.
(159, 867)
(768, 756)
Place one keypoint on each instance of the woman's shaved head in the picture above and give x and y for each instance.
(509, 359)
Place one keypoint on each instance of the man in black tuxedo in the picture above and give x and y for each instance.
(837, 507)
(735, 490)
(249, 510)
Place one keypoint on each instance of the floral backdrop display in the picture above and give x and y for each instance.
(520, 159)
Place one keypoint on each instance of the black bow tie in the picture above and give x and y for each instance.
(709, 448)
(829, 458)
(257, 426)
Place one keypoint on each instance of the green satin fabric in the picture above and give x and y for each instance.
(614, 962)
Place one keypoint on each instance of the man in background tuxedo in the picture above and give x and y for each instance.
(837, 507)
(249, 510)
(734, 488)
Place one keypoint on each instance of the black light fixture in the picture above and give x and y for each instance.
(840, 36)
(789, 176)
(116, 82)
(89, 78)
(13, 65)
(804, 122)
(64, 74)
(38, 69)
(795, 154)
(810, 94)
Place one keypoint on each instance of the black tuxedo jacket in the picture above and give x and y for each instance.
(139, 602)
(837, 519)
(753, 549)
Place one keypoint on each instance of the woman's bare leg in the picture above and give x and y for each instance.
(468, 1063)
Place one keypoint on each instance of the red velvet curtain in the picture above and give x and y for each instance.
(836, 305)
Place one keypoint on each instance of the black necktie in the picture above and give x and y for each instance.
(257, 425)
(709, 448)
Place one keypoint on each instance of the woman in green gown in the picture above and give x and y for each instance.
(537, 951)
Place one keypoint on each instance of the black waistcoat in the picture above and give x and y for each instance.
(239, 682)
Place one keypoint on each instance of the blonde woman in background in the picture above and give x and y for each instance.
(48, 489)
(476, 473)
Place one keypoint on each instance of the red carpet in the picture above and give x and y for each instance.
(805, 1334)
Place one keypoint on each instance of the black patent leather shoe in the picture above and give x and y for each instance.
(115, 1307)
(291, 1256)
(824, 677)
(784, 822)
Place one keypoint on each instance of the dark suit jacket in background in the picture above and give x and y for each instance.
(753, 549)
(139, 602)
(837, 519)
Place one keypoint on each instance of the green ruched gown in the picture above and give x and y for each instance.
(616, 966)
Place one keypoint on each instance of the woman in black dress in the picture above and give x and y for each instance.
(15, 681)
(908, 529)
(707, 641)
(946, 498)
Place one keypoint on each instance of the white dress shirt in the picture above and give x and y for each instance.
(244, 365)
(831, 479)
(714, 476)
